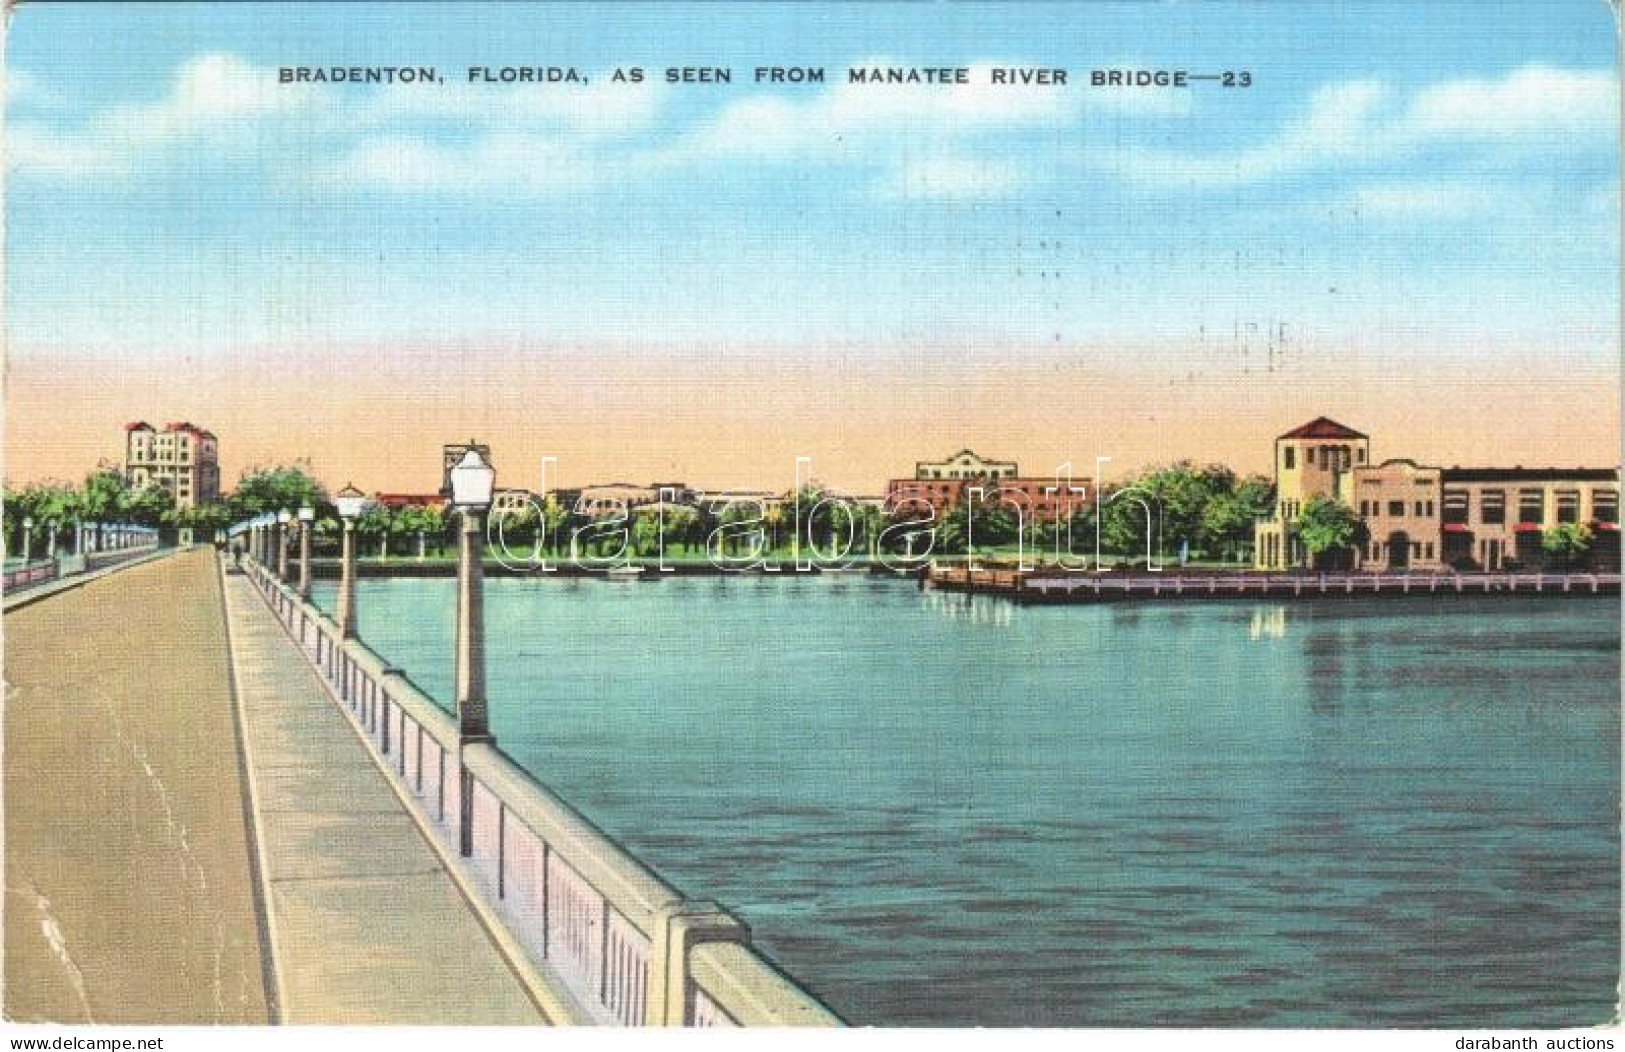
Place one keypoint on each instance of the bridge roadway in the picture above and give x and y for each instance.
(194, 834)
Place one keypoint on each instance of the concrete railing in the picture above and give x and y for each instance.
(30, 575)
(1046, 583)
(95, 560)
(624, 947)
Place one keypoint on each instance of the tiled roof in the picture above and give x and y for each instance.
(1323, 427)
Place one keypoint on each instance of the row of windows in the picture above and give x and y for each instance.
(1492, 507)
(1328, 457)
(966, 473)
(1396, 508)
(1419, 550)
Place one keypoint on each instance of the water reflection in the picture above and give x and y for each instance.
(970, 608)
(1268, 622)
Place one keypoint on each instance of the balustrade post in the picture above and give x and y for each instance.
(677, 931)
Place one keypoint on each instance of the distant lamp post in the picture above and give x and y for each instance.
(350, 502)
(307, 516)
(283, 518)
(28, 536)
(472, 480)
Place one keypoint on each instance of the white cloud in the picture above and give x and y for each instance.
(599, 108)
(1357, 122)
(1534, 101)
(928, 141)
(529, 132)
(512, 164)
(30, 148)
(1338, 125)
(212, 94)
(848, 119)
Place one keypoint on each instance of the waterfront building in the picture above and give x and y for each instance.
(761, 501)
(617, 498)
(965, 464)
(1311, 461)
(1399, 502)
(1419, 517)
(509, 501)
(1038, 500)
(1490, 516)
(182, 458)
(397, 501)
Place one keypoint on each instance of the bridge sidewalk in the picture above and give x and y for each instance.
(366, 925)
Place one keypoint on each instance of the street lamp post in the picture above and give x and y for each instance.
(283, 518)
(28, 536)
(307, 516)
(472, 481)
(349, 501)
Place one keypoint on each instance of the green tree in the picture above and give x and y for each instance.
(1178, 495)
(1325, 526)
(554, 517)
(1228, 517)
(105, 494)
(149, 505)
(375, 523)
(1567, 545)
(986, 522)
(1129, 523)
(515, 527)
(274, 489)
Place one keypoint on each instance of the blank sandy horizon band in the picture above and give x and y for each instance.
(378, 417)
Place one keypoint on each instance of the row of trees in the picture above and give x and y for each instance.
(1206, 511)
(1202, 511)
(57, 509)
(747, 528)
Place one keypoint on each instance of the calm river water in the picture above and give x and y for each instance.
(936, 809)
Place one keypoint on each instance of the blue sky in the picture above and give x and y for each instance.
(1400, 179)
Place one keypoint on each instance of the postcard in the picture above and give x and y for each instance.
(828, 515)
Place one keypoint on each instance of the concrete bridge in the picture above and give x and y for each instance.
(222, 810)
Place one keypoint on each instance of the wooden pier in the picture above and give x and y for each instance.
(1047, 585)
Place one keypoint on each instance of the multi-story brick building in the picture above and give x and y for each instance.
(943, 485)
(1037, 500)
(182, 458)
